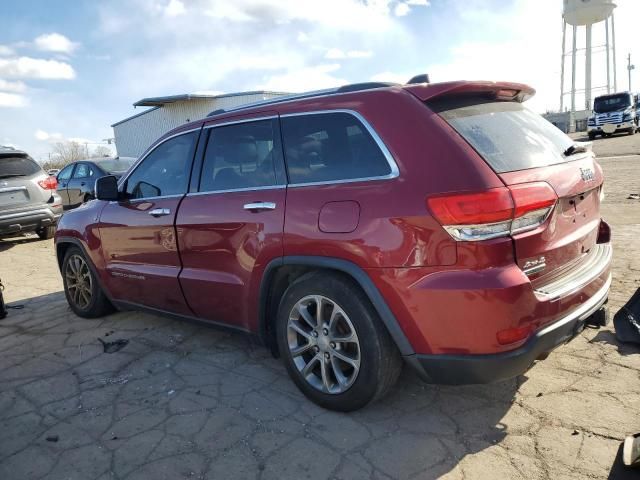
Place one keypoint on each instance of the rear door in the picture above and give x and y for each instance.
(138, 233)
(522, 147)
(63, 182)
(231, 225)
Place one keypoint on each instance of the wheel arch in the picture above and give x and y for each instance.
(282, 272)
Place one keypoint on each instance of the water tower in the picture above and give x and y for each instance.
(586, 13)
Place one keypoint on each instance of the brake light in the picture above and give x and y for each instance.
(497, 212)
(49, 183)
(513, 335)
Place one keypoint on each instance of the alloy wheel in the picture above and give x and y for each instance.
(79, 284)
(323, 344)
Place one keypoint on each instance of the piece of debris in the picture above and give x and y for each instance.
(634, 196)
(631, 451)
(113, 347)
(52, 438)
(575, 432)
(115, 437)
(627, 320)
(539, 394)
(171, 392)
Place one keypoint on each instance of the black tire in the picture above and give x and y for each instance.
(592, 136)
(380, 362)
(632, 130)
(46, 233)
(97, 304)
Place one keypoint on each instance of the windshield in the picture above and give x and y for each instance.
(17, 166)
(507, 135)
(611, 103)
(117, 165)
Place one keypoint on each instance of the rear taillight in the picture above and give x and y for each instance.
(49, 183)
(497, 212)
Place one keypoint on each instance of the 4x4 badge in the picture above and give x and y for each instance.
(587, 174)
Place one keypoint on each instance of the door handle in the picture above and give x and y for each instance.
(82, 184)
(258, 206)
(160, 212)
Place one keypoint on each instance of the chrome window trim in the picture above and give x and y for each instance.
(395, 171)
(242, 120)
(13, 189)
(124, 178)
(235, 190)
(147, 199)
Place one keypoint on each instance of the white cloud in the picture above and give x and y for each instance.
(337, 54)
(16, 87)
(306, 78)
(401, 9)
(302, 37)
(174, 8)
(213, 93)
(27, 67)
(47, 137)
(5, 50)
(55, 42)
(12, 100)
(395, 77)
(423, 3)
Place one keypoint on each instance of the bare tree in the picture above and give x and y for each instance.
(101, 151)
(67, 152)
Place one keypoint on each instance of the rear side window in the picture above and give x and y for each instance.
(507, 135)
(18, 167)
(82, 171)
(327, 147)
(240, 156)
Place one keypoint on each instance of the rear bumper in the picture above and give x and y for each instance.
(487, 368)
(30, 220)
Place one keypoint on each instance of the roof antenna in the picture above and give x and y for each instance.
(422, 78)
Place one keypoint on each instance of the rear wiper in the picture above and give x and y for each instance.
(9, 175)
(575, 148)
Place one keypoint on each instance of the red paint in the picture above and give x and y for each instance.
(209, 258)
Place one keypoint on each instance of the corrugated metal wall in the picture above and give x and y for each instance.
(135, 135)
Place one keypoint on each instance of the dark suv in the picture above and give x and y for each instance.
(441, 224)
(28, 198)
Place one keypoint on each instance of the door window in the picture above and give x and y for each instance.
(82, 171)
(330, 146)
(65, 173)
(240, 156)
(165, 171)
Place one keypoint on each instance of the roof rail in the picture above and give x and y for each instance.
(355, 87)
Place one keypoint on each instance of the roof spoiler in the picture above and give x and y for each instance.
(504, 91)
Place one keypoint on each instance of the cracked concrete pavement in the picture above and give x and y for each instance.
(185, 401)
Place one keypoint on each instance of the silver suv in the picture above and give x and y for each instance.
(28, 198)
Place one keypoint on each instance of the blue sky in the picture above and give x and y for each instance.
(69, 69)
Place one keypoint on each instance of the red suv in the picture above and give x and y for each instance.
(444, 224)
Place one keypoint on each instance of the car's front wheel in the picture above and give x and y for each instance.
(333, 343)
(84, 294)
(46, 233)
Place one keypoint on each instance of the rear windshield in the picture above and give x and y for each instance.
(612, 103)
(116, 165)
(17, 167)
(507, 135)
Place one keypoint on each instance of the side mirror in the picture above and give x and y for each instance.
(107, 188)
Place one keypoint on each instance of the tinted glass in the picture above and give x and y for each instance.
(17, 167)
(65, 173)
(82, 171)
(117, 165)
(330, 146)
(611, 103)
(506, 134)
(240, 156)
(165, 171)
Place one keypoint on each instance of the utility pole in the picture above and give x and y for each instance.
(629, 68)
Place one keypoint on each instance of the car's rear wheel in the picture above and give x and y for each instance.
(84, 295)
(333, 343)
(46, 233)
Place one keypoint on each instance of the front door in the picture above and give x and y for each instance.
(232, 226)
(64, 177)
(79, 184)
(138, 232)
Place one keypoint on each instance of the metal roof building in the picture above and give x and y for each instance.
(135, 134)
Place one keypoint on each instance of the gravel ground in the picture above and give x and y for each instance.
(184, 401)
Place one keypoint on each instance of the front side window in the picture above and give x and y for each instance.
(82, 171)
(165, 171)
(65, 173)
(240, 156)
(330, 146)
